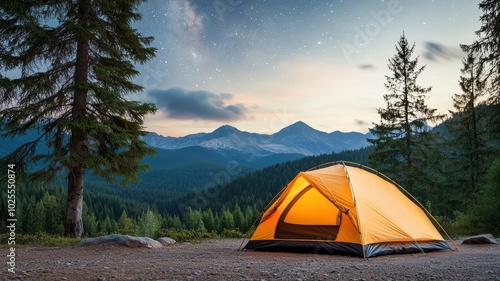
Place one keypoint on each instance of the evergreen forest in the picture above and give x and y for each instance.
(448, 162)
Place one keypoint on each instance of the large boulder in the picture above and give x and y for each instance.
(125, 240)
(166, 241)
(480, 239)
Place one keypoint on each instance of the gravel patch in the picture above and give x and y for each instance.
(221, 260)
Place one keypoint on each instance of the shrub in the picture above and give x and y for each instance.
(232, 233)
(463, 224)
(186, 235)
(148, 224)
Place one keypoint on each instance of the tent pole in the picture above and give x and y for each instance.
(356, 207)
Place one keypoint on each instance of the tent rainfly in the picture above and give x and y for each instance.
(345, 208)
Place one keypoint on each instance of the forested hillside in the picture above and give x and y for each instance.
(258, 188)
(222, 203)
(108, 208)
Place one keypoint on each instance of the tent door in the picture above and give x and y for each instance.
(309, 216)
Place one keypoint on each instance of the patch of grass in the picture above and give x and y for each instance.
(190, 235)
(39, 239)
(231, 233)
(186, 235)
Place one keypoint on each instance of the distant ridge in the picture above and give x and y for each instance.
(298, 138)
(192, 162)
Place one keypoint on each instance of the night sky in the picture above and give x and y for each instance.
(261, 65)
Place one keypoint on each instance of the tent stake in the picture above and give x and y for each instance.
(420, 248)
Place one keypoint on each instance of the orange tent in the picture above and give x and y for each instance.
(345, 208)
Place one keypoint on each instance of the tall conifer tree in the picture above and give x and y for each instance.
(487, 47)
(468, 139)
(70, 66)
(402, 138)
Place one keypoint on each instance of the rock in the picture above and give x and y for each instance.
(166, 241)
(117, 239)
(480, 239)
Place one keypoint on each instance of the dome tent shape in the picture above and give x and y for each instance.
(345, 208)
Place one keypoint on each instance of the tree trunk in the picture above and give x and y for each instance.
(74, 223)
(77, 145)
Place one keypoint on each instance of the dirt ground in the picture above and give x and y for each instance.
(221, 260)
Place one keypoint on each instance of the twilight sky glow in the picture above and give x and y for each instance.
(261, 65)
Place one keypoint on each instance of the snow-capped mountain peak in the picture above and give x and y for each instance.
(298, 138)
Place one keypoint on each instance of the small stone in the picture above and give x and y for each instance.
(480, 239)
(126, 240)
(166, 241)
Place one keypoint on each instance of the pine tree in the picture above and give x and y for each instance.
(468, 140)
(39, 215)
(250, 216)
(126, 225)
(226, 221)
(195, 220)
(209, 220)
(487, 47)
(148, 224)
(403, 137)
(105, 226)
(76, 63)
(175, 222)
(486, 211)
(89, 221)
(53, 223)
(29, 220)
(239, 219)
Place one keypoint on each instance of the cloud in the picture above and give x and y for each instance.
(360, 122)
(179, 103)
(438, 52)
(366, 66)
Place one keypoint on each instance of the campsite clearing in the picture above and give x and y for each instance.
(221, 260)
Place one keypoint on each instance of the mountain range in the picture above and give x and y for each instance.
(297, 139)
(205, 159)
